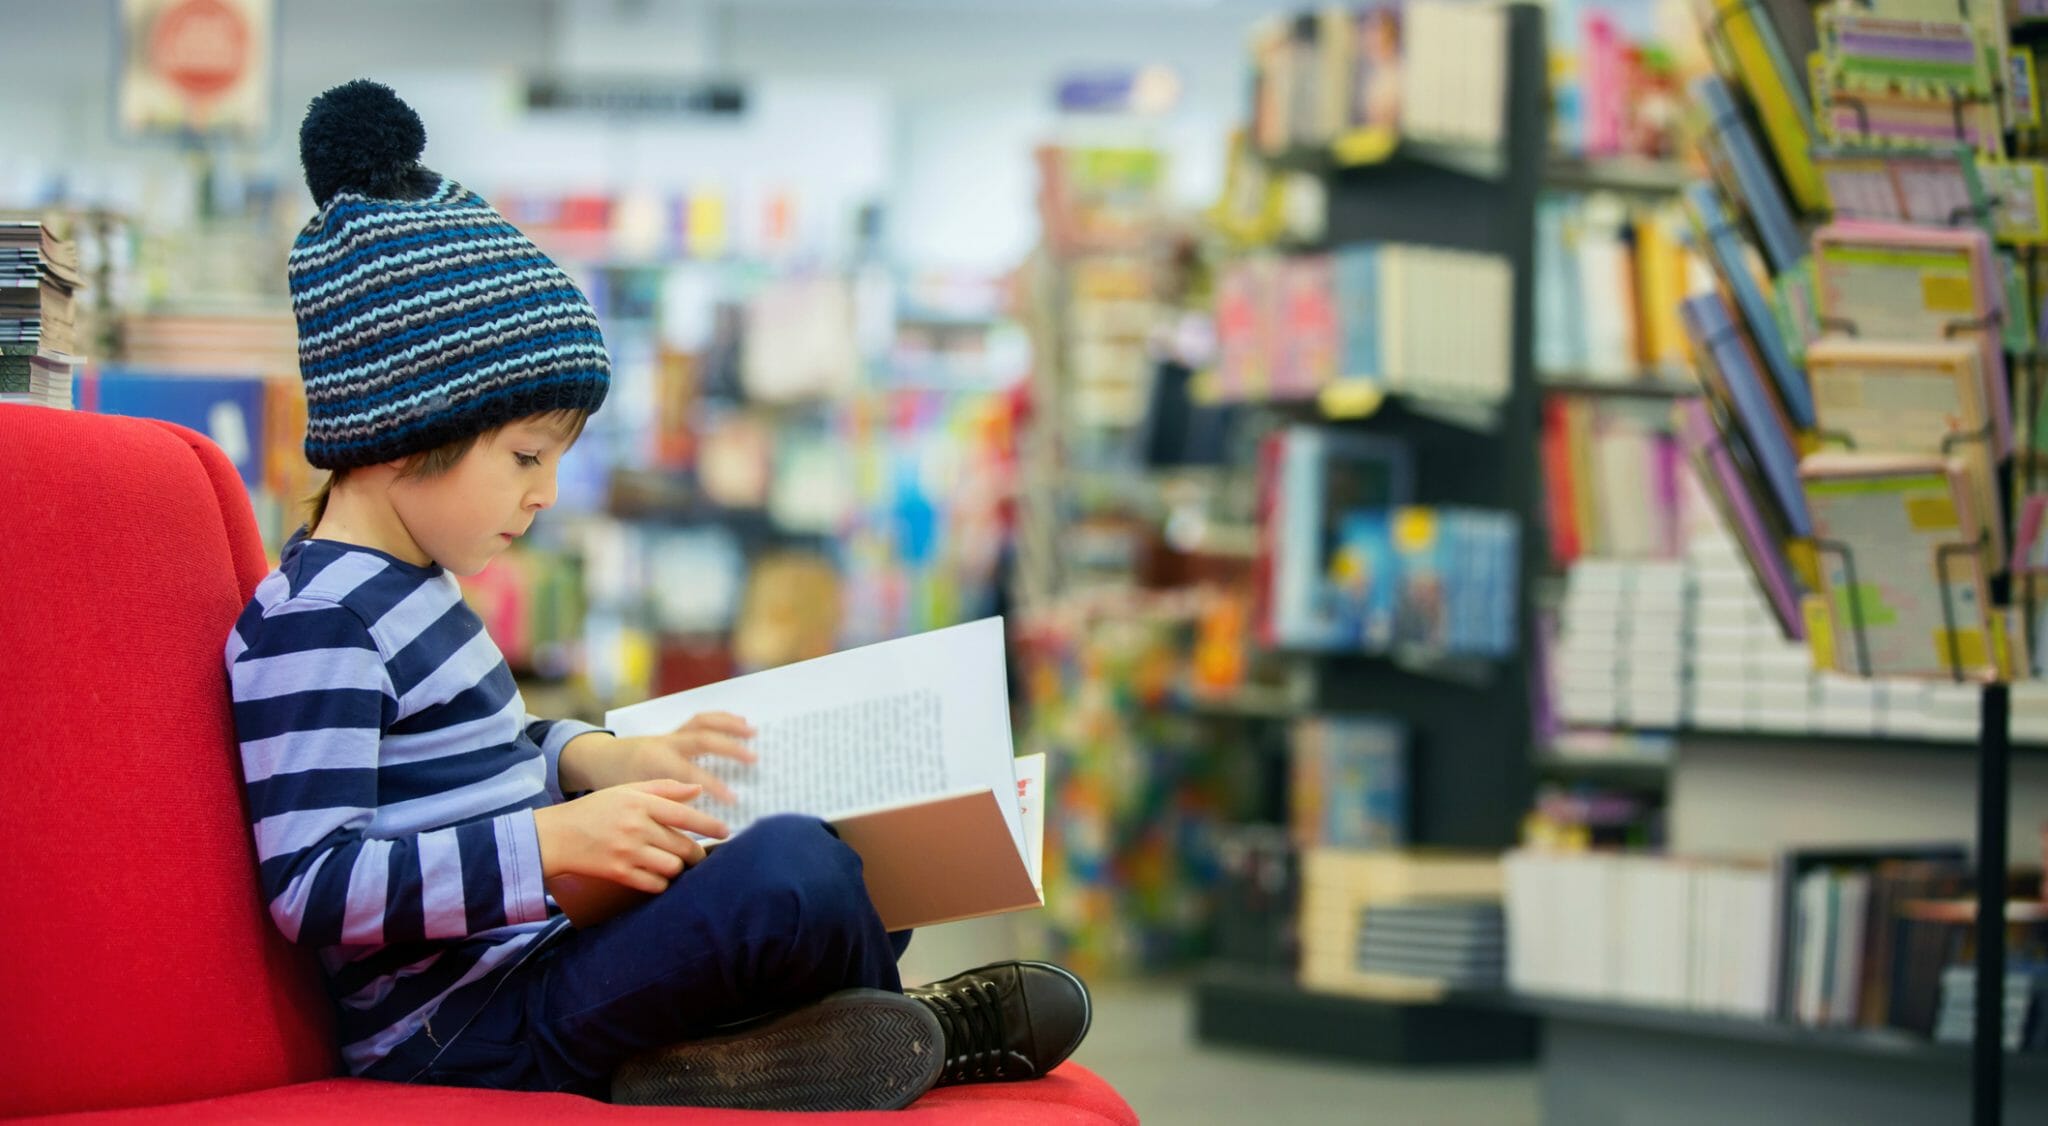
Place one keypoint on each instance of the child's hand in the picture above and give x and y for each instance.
(596, 760)
(720, 734)
(631, 835)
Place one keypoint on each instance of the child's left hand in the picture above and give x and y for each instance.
(644, 758)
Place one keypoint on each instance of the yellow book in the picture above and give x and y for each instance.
(1751, 47)
(1660, 288)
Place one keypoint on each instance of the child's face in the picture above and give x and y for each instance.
(464, 518)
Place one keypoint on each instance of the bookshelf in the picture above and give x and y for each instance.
(1602, 1062)
(1633, 175)
(1469, 722)
(1648, 385)
(1609, 1062)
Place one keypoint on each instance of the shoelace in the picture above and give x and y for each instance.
(972, 1016)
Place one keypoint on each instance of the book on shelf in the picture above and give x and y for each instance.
(1940, 188)
(1345, 567)
(1454, 71)
(1641, 929)
(1919, 283)
(1426, 69)
(1348, 781)
(1735, 498)
(1848, 955)
(903, 746)
(1919, 397)
(1609, 275)
(1904, 569)
(1620, 658)
(1740, 276)
(1612, 96)
(1459, 945)
(1610, 480)
(1821, 937)
(1743, 171)
(1310, 478)
(1426, 321)
(1342, 891)
(1909, 82)
(1734, 380)
(1745, 39)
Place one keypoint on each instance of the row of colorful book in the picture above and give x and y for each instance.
(1858, 397)
(1613, 480)
(1617, 86)
(1423, 69)
(1609, 276)
(1407, 319)
(1347, 561)
(1849, 937)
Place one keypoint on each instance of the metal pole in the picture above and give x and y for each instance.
(1987, 1045)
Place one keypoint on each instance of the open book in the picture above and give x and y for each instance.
(904, 747)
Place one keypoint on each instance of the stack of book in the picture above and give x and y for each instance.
(1646, 930)
(1621, 658)
(1745, 674)
(1341, 889)
(1463, 945)
(39, 280)
(1956, 1023)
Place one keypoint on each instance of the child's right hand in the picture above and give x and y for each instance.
(632, 835)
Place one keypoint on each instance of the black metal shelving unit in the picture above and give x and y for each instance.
(1471, 777)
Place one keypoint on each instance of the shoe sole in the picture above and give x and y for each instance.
(859, 1049)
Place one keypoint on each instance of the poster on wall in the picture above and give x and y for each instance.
(196, 67)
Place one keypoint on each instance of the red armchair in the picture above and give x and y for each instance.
(139, 974)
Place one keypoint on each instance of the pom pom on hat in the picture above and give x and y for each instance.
(359, 136)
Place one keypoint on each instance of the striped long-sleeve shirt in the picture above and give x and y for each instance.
(392, 774)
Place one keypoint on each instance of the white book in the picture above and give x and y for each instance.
(904, 747)
(1845, 984)
(1815, 945)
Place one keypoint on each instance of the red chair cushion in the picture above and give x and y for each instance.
(137, 964)
(1070, 1096)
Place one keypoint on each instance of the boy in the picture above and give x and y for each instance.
(408, 813)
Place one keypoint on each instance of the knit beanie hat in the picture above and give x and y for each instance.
(424, 317)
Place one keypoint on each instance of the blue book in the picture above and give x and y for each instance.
(1731, 145)
(1357, 273)
(1560, 325)
(1724, 248)
(1717, 340)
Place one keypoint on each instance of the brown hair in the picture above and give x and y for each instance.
(568, 423)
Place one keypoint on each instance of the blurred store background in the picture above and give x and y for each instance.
(1298, 385)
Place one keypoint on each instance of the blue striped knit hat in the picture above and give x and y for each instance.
(424, 317)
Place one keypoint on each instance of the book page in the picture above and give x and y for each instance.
(1031, 808)
(885, 724)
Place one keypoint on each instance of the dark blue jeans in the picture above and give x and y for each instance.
(773, 919)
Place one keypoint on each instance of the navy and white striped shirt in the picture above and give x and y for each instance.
(392, 772)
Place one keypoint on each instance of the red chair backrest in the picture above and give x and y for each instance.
(137, 963)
